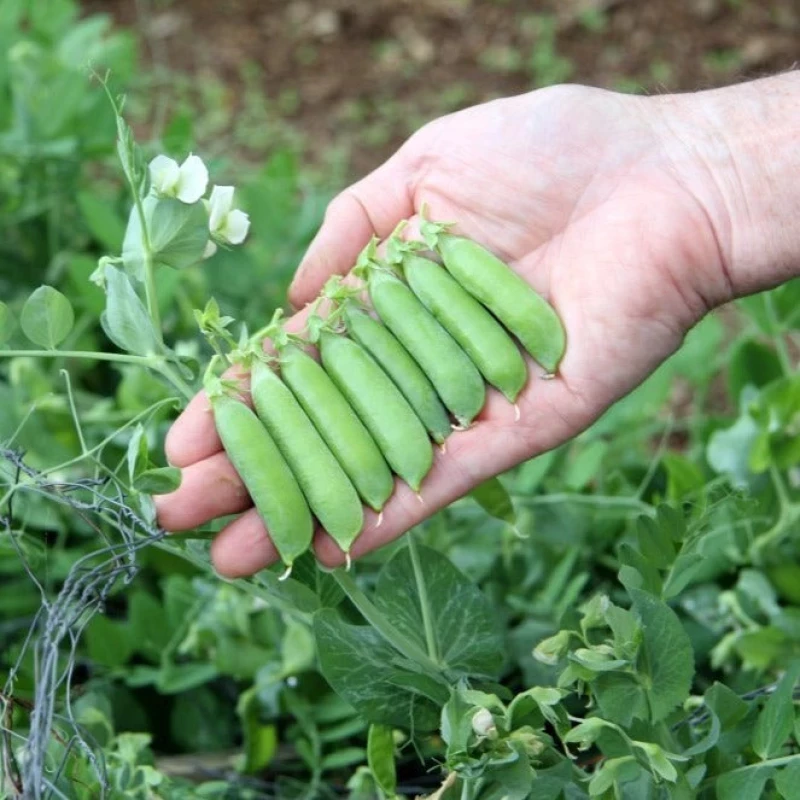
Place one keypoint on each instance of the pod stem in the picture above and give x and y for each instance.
(215, 385)
(430, 229)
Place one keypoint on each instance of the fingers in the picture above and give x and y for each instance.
(210, 488)
(374, 205)
(243, 547)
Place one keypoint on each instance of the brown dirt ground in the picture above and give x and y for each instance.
(358, 76)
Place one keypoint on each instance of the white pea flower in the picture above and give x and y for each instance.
(187, 182)
(225, 222)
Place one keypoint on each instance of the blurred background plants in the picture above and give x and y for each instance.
(191, 686)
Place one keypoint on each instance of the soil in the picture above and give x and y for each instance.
(356, 77)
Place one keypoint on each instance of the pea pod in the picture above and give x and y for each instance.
(450, 370)
(491, 281)
(412, 382)
(387, 415)
(328, 490)
(266, 475)
(483, 339)
(337, 423)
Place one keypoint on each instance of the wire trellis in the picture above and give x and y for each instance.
(57, 626)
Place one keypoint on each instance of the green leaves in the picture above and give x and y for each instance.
(495, 500)
(666, 557)
(776, 720)
(47, 317)
(666, 661)
(376, 676)
(125, 320)
(370, 675)
(178, 234)
(380, 758)
(473, 648)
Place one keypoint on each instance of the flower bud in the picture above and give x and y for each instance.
(483, 723)
(551, 650)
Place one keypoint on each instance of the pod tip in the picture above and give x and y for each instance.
(380, 520)
(517, 413)
(419, 497)
(287, 572)
(548, 376)
(347, 561)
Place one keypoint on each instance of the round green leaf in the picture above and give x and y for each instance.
(47, 317)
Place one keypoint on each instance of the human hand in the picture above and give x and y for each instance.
(596, 199)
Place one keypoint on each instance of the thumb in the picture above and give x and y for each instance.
(373, 206)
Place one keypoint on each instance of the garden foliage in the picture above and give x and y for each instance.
(619, 618)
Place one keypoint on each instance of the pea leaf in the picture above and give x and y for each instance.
(137, 453)
(620, 698)
(774, 723)
(511, 781)
(746, 783)
(109, 642)
(260, 739)
(380, 758)
(47, 317)
(728, 450)
(178, 234)
(495, 500)
(752, 363)
(473, 649)
(787, 781)
(666, 658)
(586, 464)
(125, 320)
(159, 480)
(102, 220)
(343, 757)
(363, 669)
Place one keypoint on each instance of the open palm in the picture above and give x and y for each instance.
(588, 197)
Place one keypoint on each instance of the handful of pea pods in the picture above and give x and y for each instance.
(394, 376)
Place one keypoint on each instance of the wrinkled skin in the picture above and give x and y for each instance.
(595, 200)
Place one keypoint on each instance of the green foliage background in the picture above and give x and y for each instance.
(648, 623)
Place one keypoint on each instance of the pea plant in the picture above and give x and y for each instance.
(615, 619)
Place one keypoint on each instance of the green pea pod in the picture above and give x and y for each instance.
(491, 281)
(268, 478)
(449, 368)
(483, 339)
(397, 430)
(412, 382)
(328, 490)
(337, 423)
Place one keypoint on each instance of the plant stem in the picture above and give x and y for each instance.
(777, 338)
(788, 512)
(772, 762)
(132, 421)
(124, 358)
(150, 283)
(155, 363)
(602, 501)
(422, 591)
(398, 640)
(179, 383)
